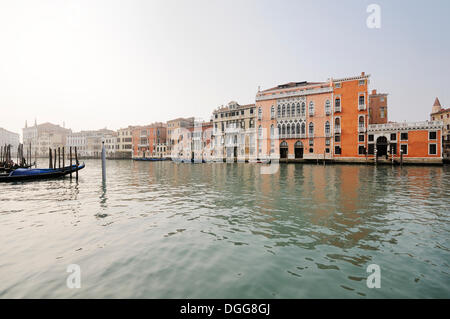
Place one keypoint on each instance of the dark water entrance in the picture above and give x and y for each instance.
(382, 146)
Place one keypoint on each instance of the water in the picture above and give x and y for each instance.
(166, 230)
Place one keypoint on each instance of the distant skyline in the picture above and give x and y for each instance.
(96, 64)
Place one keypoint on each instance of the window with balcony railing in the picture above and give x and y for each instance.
(311, 130)
(327, 129)
(311, 108)
(337, 105)
(361, 124)
(327, 107)
(361, 102)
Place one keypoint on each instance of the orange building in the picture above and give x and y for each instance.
(416, 142)
(313, 120)
(147, 138)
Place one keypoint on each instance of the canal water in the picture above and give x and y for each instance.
(167, 230)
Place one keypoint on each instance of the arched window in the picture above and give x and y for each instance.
(271, 131)
(327, 128)
(311, 108)
(293, 129)
(293, 110)
(288, 129)
(283, 112)
(279, 111)
(279, 129)
(259, 113)
(361, 100)
(298, 109)
(303, 128)
(311, 129)
(303, 109)
(361, 121)
(260, 131)
(337, 122)
(288, 112)
(327, 107)
(272, 112)
(283, 129)
(337, 104)
(297, 127)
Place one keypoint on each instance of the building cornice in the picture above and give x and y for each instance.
(282, 95)
(426, 125)
(352, 78)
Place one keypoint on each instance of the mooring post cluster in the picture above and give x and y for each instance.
(57, 157)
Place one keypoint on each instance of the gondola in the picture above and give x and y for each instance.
(24, 174)
(8, 169)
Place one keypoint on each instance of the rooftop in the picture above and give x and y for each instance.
(291, 85)
(436, 102)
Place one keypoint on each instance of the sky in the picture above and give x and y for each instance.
(95, 64)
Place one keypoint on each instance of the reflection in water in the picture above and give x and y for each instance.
(160, 229)
(103, 197)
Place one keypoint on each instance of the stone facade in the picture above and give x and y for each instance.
(44, 136)
(438, 113)
(234, 132)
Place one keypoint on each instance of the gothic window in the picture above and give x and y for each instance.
(311, 129)
(311, 108)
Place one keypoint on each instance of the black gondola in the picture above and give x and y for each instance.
(24, 174)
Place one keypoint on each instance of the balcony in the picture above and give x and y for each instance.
(337, 108)
(143, 145)
(327, 112)
(361, 107)
(283, 136)
(311, 113)
(337, 130)
(232, 129)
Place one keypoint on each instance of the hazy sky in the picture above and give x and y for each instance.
(96, 64)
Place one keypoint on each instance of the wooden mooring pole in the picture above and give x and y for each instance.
(50, 158)
(103, 162)
(70, 151)
(76, 163)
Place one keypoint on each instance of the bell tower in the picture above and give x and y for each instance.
(436, 106)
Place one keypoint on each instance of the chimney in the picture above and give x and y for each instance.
(363, 73)
(374, 92)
